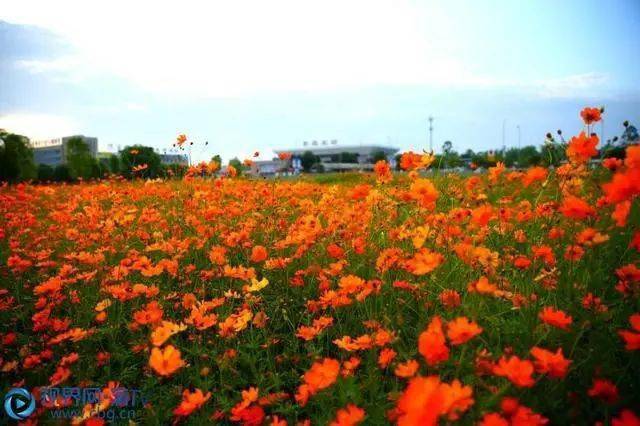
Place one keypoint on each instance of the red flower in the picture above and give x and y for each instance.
(576, 208)
(426, 399)
(632, 337)
(349, 416)
(461, 330)
(431, 343)
(547, 362)
(591, 115)
(626, 418)
(556, 318)
(191, 401)
(516, 370)
(605, 390)
(582, 147)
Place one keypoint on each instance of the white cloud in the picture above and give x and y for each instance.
(236, 48)
(580, 85)
(208, 49)
(39, 126)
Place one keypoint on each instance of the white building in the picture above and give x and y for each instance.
(333, 156)
(53, 152)
(273, 167)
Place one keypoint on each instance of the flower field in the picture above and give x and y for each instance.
(509, 297)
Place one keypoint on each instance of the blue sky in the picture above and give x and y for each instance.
(255, 75)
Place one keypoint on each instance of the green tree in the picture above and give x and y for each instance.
(81, 162)
(453, 159)
(114, 164)
(447, 146)
(397, 158)
(529, 156)
(511, 157)
(553, 154)
(45, 172)
(347, 157)
(16, 158)
(62, 173)
(237, 164)
(139, 155)
(377, 156)
(307, 160)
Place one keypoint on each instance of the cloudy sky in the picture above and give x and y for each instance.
(259, 75)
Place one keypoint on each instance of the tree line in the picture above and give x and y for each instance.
(17, 162)
(17, 159)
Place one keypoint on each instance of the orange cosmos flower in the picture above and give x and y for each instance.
(495, 172)
(591, 115)
(461, 330)
(573, 252)
(151, 314)
(483, 286)
(632, 337)
(431, 343)
(493, 419)
(450, 299)
(407, 369)
(482, 215)
(166, 361)
(582, 147)
(621, 212)
(556, 318)
(632, 157)
(545, 253)
(181, 139)
(335, 251)
(624, 186)
(139, 168)
(386, 356)
(383, 172)
(284, 156)
(410, 161)
(534, 174)
(163, 332)
(424, 192)
(191, 401)
(547, 362)
(217, 255)
(426, 399)
(351, 415)
(612, 163)
(258, 254)
(517, 371)
(424, 261)
(576, 208)
(322, 374)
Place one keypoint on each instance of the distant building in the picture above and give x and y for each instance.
(53, 152)
(334, 157)
(273, 167)
(174, 159)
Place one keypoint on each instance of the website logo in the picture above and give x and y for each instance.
(19, 403)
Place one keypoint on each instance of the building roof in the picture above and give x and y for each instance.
(337, 149)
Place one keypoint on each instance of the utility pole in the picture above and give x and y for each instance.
(519, 136)
(431, 133)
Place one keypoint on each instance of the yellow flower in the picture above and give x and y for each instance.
(257, 285)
